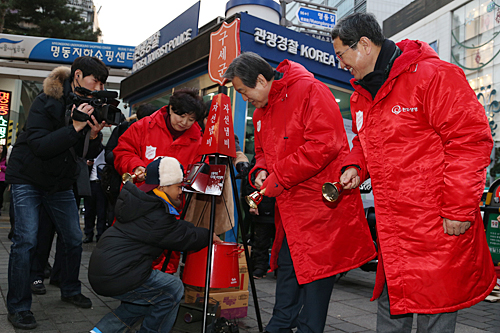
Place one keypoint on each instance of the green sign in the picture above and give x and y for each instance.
(493, 236)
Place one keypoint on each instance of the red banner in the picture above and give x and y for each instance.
(219, 132)
(224, 47)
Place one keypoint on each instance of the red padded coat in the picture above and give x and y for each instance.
(300, 137)
(425, 142)
(149, 138)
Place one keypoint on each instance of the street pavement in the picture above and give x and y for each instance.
(350, 309)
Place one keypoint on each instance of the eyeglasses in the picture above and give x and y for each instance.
(341, 54)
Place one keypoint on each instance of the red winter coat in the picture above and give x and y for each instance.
(425, 142)
(300, 137)
(149, 138)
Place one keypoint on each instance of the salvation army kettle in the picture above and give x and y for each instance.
(224, 266)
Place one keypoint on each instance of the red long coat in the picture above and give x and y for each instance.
(149, 138)
(425, 142)
(300, 137)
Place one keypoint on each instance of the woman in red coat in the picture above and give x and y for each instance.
(171, 131)
(300, 143)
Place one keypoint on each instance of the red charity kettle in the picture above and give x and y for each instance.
(224, 266)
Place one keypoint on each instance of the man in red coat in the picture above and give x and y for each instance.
(424, 140)
(300, 143)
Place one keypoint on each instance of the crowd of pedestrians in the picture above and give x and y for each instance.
(433, 259)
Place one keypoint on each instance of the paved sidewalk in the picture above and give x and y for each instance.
(350, 309)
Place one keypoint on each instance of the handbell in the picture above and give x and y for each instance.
(332, 191)
(127, 177)
(255, 198)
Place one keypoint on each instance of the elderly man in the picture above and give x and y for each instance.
(424, 140)
(300, 143)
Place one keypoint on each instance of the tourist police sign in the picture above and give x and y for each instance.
(316, 17)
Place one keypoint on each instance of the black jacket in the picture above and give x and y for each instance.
(41, 155)
(144, 228)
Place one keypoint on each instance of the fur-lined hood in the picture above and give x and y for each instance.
(53, 85)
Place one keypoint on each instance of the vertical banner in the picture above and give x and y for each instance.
(224, 47)
(5, 103)
(219, 132)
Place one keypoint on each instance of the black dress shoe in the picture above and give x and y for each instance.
(78, 300)
(88, 239)
(23, 320)
(37, 287)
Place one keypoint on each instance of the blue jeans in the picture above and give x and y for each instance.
(302, 306)
(61, 209)
(156, 300)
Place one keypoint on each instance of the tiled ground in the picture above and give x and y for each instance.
(350, 309)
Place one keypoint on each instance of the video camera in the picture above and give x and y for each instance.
(104, 104)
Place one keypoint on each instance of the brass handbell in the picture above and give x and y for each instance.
(332, 191)
(127, 177)
(255, 198)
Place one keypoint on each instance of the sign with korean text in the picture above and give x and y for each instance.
(224, 47)
(63, 51)
(181, 30)
(5, 103)
(275, 43)
(316, 17)
(219, 132)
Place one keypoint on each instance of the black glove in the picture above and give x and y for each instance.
(243, 169)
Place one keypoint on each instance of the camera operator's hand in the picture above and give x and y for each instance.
(140, 173)
(85, 108)
(95, 127)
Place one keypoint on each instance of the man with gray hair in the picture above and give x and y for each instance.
(300, 143)
(424, 140)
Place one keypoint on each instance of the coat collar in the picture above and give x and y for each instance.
(53, 85)
(292, 72)
(413, 51)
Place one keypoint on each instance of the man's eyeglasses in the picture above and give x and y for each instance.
(341, 54)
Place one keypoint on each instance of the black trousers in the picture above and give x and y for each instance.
(302, 306)
(95, 207)
(263, 235)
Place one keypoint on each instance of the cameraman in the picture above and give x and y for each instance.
(42, 171)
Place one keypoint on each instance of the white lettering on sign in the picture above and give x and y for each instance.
(160, 51)
(271, 39)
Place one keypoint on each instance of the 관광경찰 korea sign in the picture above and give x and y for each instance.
(63, 51)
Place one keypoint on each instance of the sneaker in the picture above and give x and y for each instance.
(78, 300)
(23, 320)
(37, 287)
(259, 274)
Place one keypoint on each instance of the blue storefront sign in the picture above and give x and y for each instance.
(179, 31)
(63, 51)
(316, 17)
(276, 43)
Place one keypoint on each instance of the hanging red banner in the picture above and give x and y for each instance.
(219, 132)
(224, 47)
